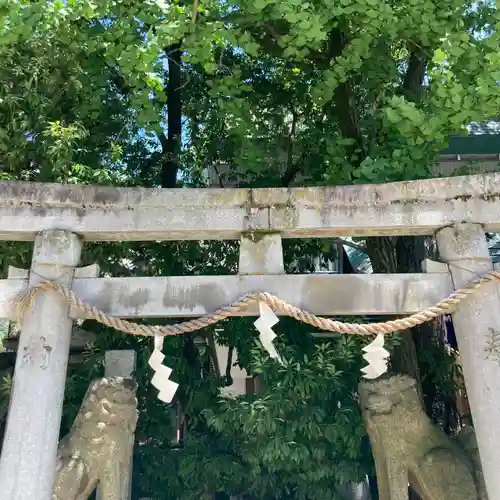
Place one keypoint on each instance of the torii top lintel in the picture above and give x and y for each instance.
(100, 213)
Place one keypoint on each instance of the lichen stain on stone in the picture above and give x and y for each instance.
(107, 196)
(17, 190)
(60, 241)
(34, 208)
(47, 349)
(107, 296)
(256, 235)
(80, 195)
(39, 198)
(209, 295)
(283, 217)
(135, 300)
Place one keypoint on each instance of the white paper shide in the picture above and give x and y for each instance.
(161, 379)
(377, 357)
(264, 325)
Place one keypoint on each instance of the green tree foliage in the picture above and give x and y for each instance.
(152, 93)
(362, 91)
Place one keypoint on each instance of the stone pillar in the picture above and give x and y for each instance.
(121, 364)
(477, 327)
(28, 461)
(261, 254)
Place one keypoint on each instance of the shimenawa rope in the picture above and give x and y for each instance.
(277, 305)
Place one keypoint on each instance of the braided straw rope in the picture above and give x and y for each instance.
(277, 305)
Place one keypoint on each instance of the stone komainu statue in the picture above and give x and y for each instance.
(409, 448)
(98, 448)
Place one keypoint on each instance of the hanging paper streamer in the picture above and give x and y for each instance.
(161, 379)
(377, 358)
(264, 325)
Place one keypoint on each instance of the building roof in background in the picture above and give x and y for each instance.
(474, 144)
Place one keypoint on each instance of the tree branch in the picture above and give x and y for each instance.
(221, 184)
(229, 365)
(345, 100)
(415, 74)
(290, 173)
(119, 81)
(292, 169)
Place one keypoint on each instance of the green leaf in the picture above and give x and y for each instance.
(392, 115)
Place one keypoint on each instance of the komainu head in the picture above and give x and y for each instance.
(382, 395)
(110, 401)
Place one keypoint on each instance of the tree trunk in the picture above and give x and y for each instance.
(171, 145)
(401, 255)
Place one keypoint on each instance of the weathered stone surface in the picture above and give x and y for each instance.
(27, 463)
(97, 450)
(408, 447)
(468, 442)
(120, 363)
(261, 254)
(477, 322)
(322, 294)
(110, 214)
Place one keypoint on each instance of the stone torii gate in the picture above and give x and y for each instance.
(59, 218)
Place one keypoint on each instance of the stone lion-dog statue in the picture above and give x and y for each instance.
(98, 448)
(408, 448)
